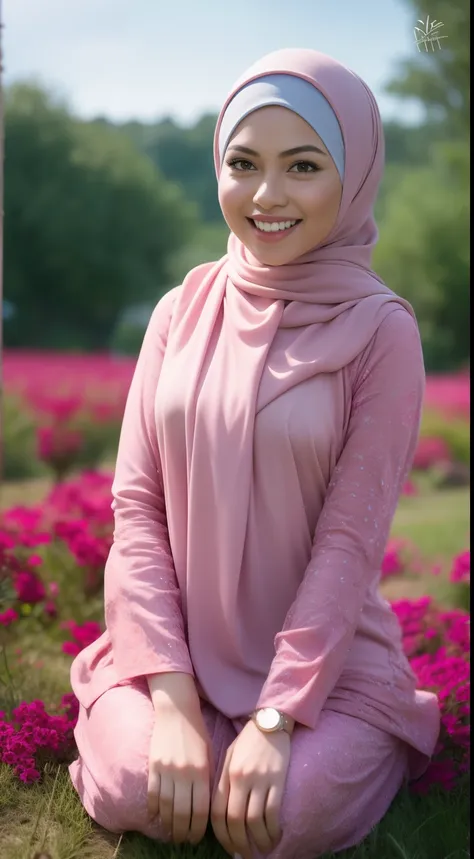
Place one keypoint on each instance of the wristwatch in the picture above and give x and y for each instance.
(269, 720)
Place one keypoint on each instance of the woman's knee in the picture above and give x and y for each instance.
(111, 773)
(310, 814)
(336, 791)
(117, 799)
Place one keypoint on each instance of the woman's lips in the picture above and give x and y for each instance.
(273, 236)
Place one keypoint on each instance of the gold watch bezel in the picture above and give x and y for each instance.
(281, 725)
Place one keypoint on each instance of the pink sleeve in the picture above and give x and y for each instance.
(354, 525)
(142, 599)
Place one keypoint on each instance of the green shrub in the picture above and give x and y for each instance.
(456, 432)
(100, 441)
(19, 447)
(127, 337)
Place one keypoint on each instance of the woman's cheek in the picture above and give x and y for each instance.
(232, 197)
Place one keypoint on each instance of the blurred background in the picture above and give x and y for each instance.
(110, 194)
(110, 198)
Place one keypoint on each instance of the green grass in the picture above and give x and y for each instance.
(50, 818)
(436, 522)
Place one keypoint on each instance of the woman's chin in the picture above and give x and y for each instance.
(270, 256)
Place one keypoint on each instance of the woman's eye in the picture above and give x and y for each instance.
(240, 164)
(305, 167)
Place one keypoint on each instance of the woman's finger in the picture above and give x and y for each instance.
(256, 823)
(200, 802)
(219, 809)
(236, 816)
(153, 795)
(272, 813)
(166, 804)
(181, 811)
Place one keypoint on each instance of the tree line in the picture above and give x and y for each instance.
(101, 218)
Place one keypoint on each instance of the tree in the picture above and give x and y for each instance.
(423, 250)
(439, 78)
(185, 156)
(423, 253)
(90, 225)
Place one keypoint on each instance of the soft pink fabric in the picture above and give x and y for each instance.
(341, 780)
(262, 455)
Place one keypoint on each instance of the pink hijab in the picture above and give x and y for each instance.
(225, 319)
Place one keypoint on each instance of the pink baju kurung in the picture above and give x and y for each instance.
(302, 626)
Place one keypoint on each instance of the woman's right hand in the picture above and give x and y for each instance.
(180, 773)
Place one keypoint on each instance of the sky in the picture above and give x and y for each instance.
(145, 59)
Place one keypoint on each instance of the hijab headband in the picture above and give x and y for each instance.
(294, 93)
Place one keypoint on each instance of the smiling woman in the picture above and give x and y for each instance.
(250, 672)
(277, 198)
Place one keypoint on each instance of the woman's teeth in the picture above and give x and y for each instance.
(275, 227)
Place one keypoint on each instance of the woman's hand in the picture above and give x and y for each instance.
(180, 773)
(248, 797)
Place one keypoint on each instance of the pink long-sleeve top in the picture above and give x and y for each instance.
(311, 628)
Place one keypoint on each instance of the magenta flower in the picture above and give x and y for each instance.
(29, 588)
(431, 452)
(82, 635)
(76, 518)
(8, 617)
(461, 569)
(409, 488)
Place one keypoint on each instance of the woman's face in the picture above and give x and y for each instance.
(277, 171)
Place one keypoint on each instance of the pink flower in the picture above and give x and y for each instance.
(29, 588)
(8, 617)
(50, 609)
(391, 564)
(409, 488)
(71, 648)
(461, 569)
(431, 452)
(83, 635)
(58, 441)
(76, 518)
(398, 558)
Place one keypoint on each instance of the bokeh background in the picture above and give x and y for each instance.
(110, 198)
(110, 193)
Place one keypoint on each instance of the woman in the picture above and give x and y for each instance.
(251, 674)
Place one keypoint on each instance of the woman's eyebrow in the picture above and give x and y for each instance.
(295, 151)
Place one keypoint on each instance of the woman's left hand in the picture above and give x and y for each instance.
(248, 798)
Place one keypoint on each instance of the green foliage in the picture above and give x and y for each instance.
(90, 225)
(423, 252)
(440, 78)
(20, 460)
(184, 156)
(49, 816)
(424, 247)
(456, 432)
(210, 243)
(18, 435)
(127, 336)
(100, 442)
(102, 217)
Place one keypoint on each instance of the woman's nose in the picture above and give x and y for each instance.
(270, 193)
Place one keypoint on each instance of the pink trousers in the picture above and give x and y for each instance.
(341, 780)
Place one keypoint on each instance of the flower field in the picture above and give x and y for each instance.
(52, 555)
(63, 414)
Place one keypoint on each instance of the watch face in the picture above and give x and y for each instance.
(268, 718)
